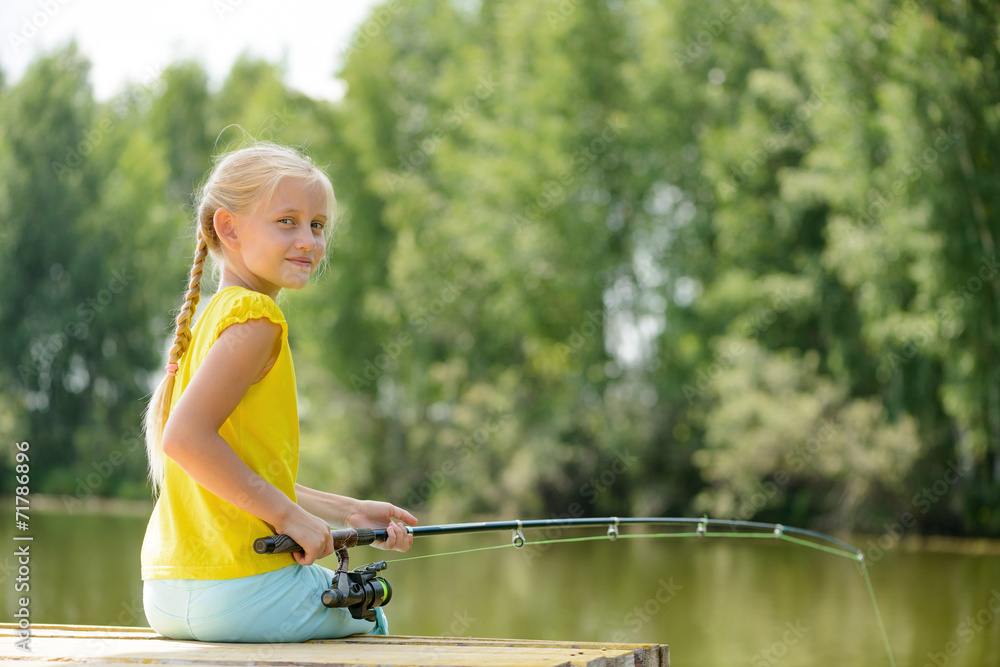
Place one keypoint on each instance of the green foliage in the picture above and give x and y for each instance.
(776, 427)
(646, 257)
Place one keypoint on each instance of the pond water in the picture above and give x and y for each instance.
(716, 602)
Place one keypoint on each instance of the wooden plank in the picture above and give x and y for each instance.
(123, 646)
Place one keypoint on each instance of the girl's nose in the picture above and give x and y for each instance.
(305, 239)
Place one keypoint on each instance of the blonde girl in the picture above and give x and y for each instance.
(222, 427)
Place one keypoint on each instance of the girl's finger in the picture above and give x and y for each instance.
(402, 539)
(392, 535)
(403, 515)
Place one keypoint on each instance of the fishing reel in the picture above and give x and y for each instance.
(360, 590)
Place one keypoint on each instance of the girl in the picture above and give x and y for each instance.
(222, 429)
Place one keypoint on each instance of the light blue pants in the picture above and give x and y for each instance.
(280, 606)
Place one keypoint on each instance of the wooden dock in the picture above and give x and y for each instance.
(105, 645)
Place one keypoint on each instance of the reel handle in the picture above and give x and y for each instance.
(342, 538)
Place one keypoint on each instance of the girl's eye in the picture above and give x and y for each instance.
(318, 225)
(288, 221)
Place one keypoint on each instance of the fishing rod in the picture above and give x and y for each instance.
(361, 536)
(362, 590)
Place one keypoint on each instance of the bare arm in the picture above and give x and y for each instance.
(240, 357)
(329, 506)
(344, 511)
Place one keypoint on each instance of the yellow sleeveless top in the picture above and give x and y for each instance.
(192, 533)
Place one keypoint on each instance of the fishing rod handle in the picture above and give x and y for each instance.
(346, 537)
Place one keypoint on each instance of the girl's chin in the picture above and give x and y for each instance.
(296, 282)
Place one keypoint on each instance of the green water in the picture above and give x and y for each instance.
(715, 601)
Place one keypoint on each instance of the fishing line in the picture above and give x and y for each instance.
(594, 538)
(878, 615)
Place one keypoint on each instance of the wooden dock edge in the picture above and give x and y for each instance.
(112, 645)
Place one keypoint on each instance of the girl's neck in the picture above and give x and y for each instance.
(230, 280)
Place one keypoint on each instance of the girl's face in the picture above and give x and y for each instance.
(280, 243)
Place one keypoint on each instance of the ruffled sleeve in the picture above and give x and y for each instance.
(249, 305)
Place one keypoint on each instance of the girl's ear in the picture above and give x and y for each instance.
(225, 228)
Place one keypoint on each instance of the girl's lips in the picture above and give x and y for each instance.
(300, 261)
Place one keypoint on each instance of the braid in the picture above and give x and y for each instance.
(158, 409)
(182, 334)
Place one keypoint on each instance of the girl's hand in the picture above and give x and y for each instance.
(312, 534)
(373, 514)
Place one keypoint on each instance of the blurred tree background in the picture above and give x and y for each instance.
(652, 257)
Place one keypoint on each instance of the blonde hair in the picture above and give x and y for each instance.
(240, 180)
